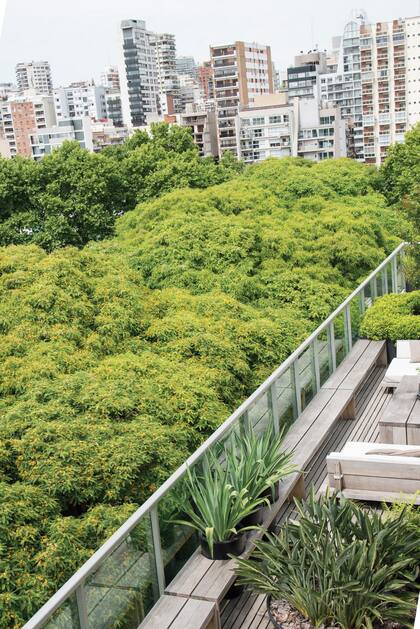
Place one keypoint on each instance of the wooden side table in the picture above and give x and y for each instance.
(400, 422)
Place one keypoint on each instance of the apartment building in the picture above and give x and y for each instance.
(164, 47)
(44, 141)
(34, 75)
(303, 76)
(105, 133)
(110, 78)
(206, 79)
(21, 117)
(7, 90)
(203, 127)
(373, 75)
(242, 71)
(276, 127)
(390, 65)
(113, 107)
(138, 75)
(79, 100)
(187, 65)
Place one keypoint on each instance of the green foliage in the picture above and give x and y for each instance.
(118, 359)
(399, 181)
(393, 317)
(72, 196)
(339, 564)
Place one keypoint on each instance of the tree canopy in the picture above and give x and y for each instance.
(118, 358)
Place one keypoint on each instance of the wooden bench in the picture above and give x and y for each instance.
(181, 613)
(207, 580)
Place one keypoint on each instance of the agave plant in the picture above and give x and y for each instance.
(257, 462)
(217, 507)
(339, 565)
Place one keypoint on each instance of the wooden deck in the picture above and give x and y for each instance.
(249, 610)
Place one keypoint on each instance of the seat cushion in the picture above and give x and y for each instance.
(415, 351)
(403, 349)
(398, 368)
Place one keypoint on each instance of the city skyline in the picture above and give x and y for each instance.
(315, 28)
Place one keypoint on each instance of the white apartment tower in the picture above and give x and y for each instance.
(79, 100)
(110, 78)
(164, 47)
(35, 75)
(376, 83)
(242, 71)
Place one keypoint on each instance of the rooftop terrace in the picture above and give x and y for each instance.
(326, 393)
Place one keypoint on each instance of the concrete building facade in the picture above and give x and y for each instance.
(242, 71)
(21, 117)
(44, 141)
(34, 75)
(275, 127)
(79, 100)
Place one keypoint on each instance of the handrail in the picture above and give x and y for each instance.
(78, 579)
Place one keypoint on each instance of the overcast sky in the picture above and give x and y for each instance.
(80, 37)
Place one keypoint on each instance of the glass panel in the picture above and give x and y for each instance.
(324, 357)
(124, 588)
(286, 400)
(355, 316)
(379, 285)
(400, 273)
(259, 415)
(306, 376)
(340, 339)
(178, 541)
(389, 276)
(368, 296)
(66, 616)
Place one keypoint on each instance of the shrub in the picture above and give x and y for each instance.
(339, 564)
(393, 317)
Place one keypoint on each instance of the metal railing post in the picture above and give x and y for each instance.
(272, 400)
(315, 364)
(331, 341)
(347, 328)
(384, 281)
(296, 386)
(82, 607)
(362, 305)
(373, 289)
(157, 549)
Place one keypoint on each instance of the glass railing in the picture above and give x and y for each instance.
(122, 581)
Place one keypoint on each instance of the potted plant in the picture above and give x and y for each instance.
(217, 509)
(338, 565)
(258, 463)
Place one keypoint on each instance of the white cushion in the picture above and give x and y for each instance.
(403, 349)
(415, 351)
(398, 368)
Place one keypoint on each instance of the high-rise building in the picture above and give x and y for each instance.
(79, 100)
(21, 117)
(390, 53)
(376, 83)
(242, 71)
(110, 78)
(164, 47)
(303, 77)
(186, 65)
(206, 79)
(203, 127)
(35, 75)
(146, 63)
(343, 86)
(114, 108)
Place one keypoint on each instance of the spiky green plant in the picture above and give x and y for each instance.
(216, 507)
(257, 462)
(339, 565)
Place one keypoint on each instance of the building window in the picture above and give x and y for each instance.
(258, 121)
